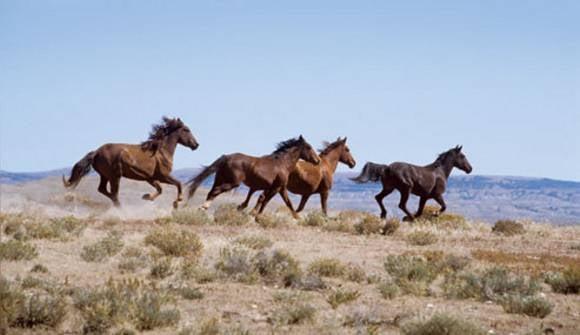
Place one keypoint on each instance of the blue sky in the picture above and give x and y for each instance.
(403, 80)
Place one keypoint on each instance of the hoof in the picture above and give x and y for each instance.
(175, 204)
(408, 219)
(147, 197)
(296, 216)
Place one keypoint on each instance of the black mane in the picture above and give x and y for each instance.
(288, 144)
(159, 132)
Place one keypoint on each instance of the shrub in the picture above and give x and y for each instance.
(327, 267)
(107, 247)
(369, 224)
(236, 263)
(508, 228)
(293, 314)
(40, 310)
(133, 259)
(228, 214)
(149, 312)
(388, 289)
(432, 216)
(39, 268)
(191, 216)
(201, 275)
(534, 306)
(314, 219)
(57, 228)
(161, 269)
(355, 273)
(266, 220)
(178, 243)
(492, 284)
(441, 324)
(421, 238)
(190, 293)
(341, 296)
(567, 282)
(308, 282)
(391, 226)
(412, 274)
(254, 242)
(277, 266)
(13, 250)
(11, 300)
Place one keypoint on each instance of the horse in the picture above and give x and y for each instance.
(427, 182)
(151, 161)
(308, 179)
(269, 173)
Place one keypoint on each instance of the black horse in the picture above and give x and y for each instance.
(427, 182)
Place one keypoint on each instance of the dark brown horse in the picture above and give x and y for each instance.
(427, 182)
(308, 179)
(269, 173)
(150, 161)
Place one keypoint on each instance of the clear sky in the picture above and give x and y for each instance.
(404, 80)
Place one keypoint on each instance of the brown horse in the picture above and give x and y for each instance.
(427, 182)
(269, 173)
(150, 161)
(308, 179)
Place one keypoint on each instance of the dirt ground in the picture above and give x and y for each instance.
(251, 306)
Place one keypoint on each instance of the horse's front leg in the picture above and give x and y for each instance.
(170, 180)
(284, 194)
(403, 204)
(422, 203)
(152, 196)
(244, 204)
(441, 202)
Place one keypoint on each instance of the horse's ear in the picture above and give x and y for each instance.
(344, 140)
(301, 138)
(459, 148)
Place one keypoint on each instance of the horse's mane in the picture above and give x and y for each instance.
(159, 132)
(288, 144)
(442, 156)
(328, 146)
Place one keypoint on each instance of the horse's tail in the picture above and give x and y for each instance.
(81, 169)
(204, 174)
(370, 172)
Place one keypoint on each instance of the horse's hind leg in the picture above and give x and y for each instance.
(244, 204)
(284, 194)
(379, 198)
(403, 204)
(115, 181)
(103, 187)
(323, 200)
(149, 196)
(266, 197)
(215, 191)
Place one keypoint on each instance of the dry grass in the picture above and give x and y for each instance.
(421, 238)
(369, 224)
(440, 324)
(341, 296)
(446, 220)
(229, 215)
(391, 226)
(533, 306)
(532, 263)
(13, 250)
(327, 267)
(567, 282)
(190, 216)
(103, 249)
(508, 228)
(254, 242)
(175, 242)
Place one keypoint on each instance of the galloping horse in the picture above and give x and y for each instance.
(308, 179)
(150, 161)
(427, 182)
(269, 173)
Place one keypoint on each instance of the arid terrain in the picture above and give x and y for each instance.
(71, 263)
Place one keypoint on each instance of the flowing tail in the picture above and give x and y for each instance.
(370, 172)
(203, 175)
(81, 169)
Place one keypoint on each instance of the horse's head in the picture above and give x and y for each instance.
(345, 155)
(460, 161)
(185, 137)
(308, 153)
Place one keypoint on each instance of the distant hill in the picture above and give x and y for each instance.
(487, 198)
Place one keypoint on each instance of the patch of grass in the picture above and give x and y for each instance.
(12, 223)
(421, 238)
(314, 219)
(150, 314)
(254, 242)
(440, 324)
(327, 267)
(293, 314)
(13, 250)
(132, 260)
(567, 282)
(40, 310)
(369, 224)
(355, 273)
(236, 263)
(190, 293)
(411, 273)
(39, 268)
(492, 284)
(388, 289)
(229, 215)
(534, 264)
(391, 226)
(446, 220)
(270, 221)
(201, 275)
(508, 228)
(337, 225)
(11, 300)
(190, 216)
(340, 296)
(210, 327)
(162, 268)
(533, 306)
(107, 247)
(277, 266)
(177, 243)
(63, 228)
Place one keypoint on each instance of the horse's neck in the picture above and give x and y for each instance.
(331, 159)
(291, 157)
(445, 166)
(168, 146)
